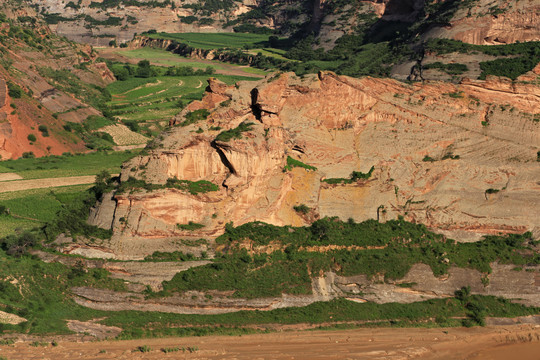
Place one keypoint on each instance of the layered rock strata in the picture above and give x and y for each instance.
(460, 159)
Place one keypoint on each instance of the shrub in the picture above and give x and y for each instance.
(195, 116)
(302, 208)
(191, 226)
(235, 133)
(31, 137)
(44, 130)
(18, 245)
(143, 348)
(355, 176)
(14, 90)
(292, 163)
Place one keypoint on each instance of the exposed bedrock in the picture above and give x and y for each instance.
(461, 159)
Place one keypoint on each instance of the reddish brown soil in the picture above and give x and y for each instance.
(25, 121)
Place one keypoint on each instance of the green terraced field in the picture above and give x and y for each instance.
(216, 40)
(157, 99)
(62, 166)
(31, 208)
(166, 58)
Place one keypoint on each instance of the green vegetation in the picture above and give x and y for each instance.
(217, 40)
(71, 219)
(191, 226)
(66, 80)
(519, 57)
(194, 116)
(193, 187)
(143, 348)
(510, 67)
(147, 96)
(67, 165)
(292, 163)
(302, 209)
(14, 90)
(455, 95)
(144, 324)
(236, 133)
(383, 248)
(24, 210)
(355, 176)
(44, 130)
(450, 69)
(169, 256)
(45, 303)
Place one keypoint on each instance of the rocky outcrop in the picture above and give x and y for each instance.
(419, 284)
(494, 23)
(458, 158)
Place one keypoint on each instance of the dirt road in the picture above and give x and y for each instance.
(18, 185)
(488, 343)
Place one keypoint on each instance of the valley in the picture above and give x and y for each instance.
(177, 169)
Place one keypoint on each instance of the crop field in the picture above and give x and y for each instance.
(256, 43)
(31, 208)
(63, 166)
(157, 99)
(216, 40)
(167, 58)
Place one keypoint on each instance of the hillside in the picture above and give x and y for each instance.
(288, 141)
(473, 21)
(234, 167)
(46, 82)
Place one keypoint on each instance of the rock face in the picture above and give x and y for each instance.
(460, 159)
(477, 22)
(90, 23)
(494, 22)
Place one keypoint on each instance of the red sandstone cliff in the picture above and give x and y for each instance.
(436, 150)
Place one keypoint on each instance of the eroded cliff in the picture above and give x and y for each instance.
(461, 159)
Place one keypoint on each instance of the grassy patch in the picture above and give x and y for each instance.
(190, 226)
(235, 133)
(450, 69)
(194, 116)
(389, 248)
(216, 40)
(68, 165)
(31, 208)
(139, 324)
(292, 163)
(193, 187)
(155, 100)
(170, 256)
(41, 293)
(519, 58)
(355, 176)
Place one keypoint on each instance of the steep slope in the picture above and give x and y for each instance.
(51, 81)
(460, 159)
(488, 22)
(473, 21)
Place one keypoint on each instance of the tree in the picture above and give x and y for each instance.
(144, 70)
